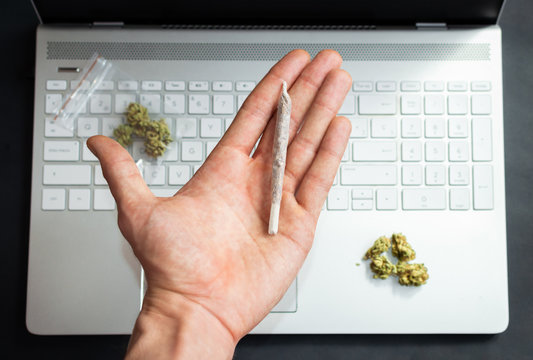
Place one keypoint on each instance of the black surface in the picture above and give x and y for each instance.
(17, 60)
(366, 12)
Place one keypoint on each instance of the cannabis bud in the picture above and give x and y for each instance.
(382, 267)
(156, 133)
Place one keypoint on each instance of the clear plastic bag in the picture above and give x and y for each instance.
(98, 75)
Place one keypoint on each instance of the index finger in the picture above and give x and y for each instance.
(260, 105)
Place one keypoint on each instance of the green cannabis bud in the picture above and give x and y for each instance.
(380, 246)
(382, 267)
(155, 132)
(401, 248)
(411, 274)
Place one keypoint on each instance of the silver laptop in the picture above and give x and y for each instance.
(425, 156)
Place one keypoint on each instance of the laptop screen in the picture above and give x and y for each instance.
(264, 12)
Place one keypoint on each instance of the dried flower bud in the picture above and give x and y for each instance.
(411, 274)
(401, 248)
(382, 267)
(380, 246)
(123, 134)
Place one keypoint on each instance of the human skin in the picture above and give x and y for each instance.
(213, 272)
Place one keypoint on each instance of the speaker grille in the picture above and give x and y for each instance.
(65, 50)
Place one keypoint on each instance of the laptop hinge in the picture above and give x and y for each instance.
(108, 24)
(431, 26)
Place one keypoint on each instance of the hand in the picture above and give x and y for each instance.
(209, 261)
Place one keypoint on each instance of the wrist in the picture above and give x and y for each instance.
(170, 326)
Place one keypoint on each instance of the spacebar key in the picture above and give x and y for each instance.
(67, 175)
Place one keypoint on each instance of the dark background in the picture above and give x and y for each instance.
(16, 78)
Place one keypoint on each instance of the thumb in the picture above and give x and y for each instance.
(122, 175)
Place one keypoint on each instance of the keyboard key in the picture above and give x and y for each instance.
(386, 86)
(61, 150)
(434, 104)
(410, 86)
(411, 175)
(240, 100)
(481, 105)
(179, 174)
(56, 85)
(377, 104)
(122, 101)
(338, 199)
(186, 128)
(198, 104)
(87, 126)
(174, 104)
(53, 103)
(435, 175)
(154, 174)
(53, 199)
(53, 129)
(459, 175)
(411, 104)
(223, 104)
(84, 85)
(163, 192)
(374, 151)
(198, 85)
(359, 128)
(459, 199)
(127, 85)
(434, 86)
(411, 127)
(106, 85)
(103, 200)
(67, 174)
(174, 85)
(227, 123)
(87, 155)
(79, 199)
(362, 204)
(100, 104)
(191, 151)
(457, 86)
(151, 85)
(362, 193)
(209, 147)
(171, 153)
(480, 86)
(457, 104)
(152, 102)
(424, 199)
(435, 128)
(435, 151)
(458, 151)
(210, 128)
(482, 187)
(386, 199)
(222, 86)
(411, 151)
(458, 127)
(384, 127)
(362, 86)
(195, 168)
(348, 106)
(99, 178)
(109, 124)
(368, 175)
(481, 139)
(245, 85)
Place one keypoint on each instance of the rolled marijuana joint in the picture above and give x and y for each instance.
(279, 156)
(382, 267)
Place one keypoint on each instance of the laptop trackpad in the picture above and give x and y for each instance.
(288, 302)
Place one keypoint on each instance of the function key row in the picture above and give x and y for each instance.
(154, 85)
(414, 86)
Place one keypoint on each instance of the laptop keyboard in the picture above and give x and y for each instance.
(414, 145)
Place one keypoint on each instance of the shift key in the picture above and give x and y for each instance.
(368, 175)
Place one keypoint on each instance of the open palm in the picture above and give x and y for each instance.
(209, 243)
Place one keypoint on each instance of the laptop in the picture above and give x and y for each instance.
(425, 157)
